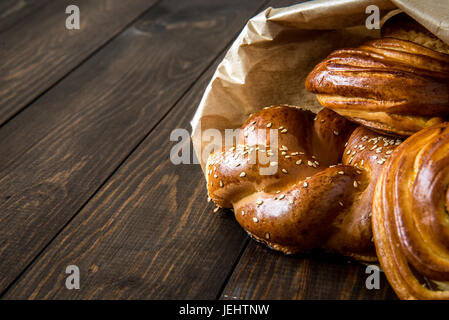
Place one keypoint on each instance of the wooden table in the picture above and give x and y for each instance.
(85, 173)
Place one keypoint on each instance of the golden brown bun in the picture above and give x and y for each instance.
(402, 26)
(410, 217)
(389, 85)
(310, 200)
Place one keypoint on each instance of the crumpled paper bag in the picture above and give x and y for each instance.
(271, 58)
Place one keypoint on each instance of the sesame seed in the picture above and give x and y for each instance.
(341, 172)
(243, 174)
(279, 191)
(287, 157)
(215, 176)
(310, 163)
(283, 153)
(216, 209)
(336, 133)
(389, 152)
(267, 236)
(348, 152)
(255, 220)
(305, 184)
(259, 202)
(221, 183)
(243, 213)
(340, 203)
(273, 163)
(282, 196)
(355, 184)
(284, 171)
(290, 201)
(269, 125)
(284, 131)
(299, 162)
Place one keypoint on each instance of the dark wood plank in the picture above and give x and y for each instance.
(265, 274)
(148, 233)
(12, 11)
(57, 153)
(39, 50)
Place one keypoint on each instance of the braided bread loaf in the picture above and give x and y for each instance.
(314, 197)
(410, 216)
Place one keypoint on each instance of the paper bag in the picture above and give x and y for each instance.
(271, 58)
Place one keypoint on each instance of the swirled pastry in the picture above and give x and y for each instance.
(410, 216)
(307, 195)
(389, 85)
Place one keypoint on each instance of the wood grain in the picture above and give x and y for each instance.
(148, 233)
(12, 11)
(39, 50)
(57, 153)
(265, 274)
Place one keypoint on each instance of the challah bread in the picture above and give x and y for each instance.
(310, 199)
(410, 216)
(389, 85)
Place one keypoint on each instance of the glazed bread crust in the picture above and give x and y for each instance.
(389, 85)
(315, 197)
(410, 216)
(402, 26)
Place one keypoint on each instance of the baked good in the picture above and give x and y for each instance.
(389, 85)
(410, 216)
(402, 26)
(298, 191)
